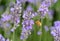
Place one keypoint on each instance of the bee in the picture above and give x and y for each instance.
(38, 23)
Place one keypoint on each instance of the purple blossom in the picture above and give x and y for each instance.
(6, 17)
(25, 14)
(43, 9)
(2, 38)
(4, 24)
(47, 2)
(12, 9)
(29, 8)
(12, 30)
(57, 23)
(12, 17)
(28, 24)
(29, 13)
(15, 11)
(55, 31)
(39, 33)
(18, 1)
(26, 29)
(46, 28)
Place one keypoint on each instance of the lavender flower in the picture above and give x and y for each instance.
(39, 33)
(12, 17)
(27, 23)
(57, 23)
(55, 31)
(18, 1)
(29, 13)
(46, 28)
(26, 15)
(26, 30)
(2, 38)
(15, 11)
(12, 30)
(5, 25)
(43, 9)
(6, 17)
(29, 8)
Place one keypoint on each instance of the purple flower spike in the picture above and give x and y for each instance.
(55, 31)
(26, 30)
(43, 9)
(57, 23)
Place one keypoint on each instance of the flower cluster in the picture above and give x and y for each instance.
(12, 17)
(26, 29)
(27, 22)
(55, 31)
(28, 14)
(15, 11)
(4, 22)
(44, 8)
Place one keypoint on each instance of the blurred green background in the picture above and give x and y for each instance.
(46, 36)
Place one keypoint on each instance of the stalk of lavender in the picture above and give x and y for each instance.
(44, 9)
(5, 24)
(12, 17)
(27, 23)
(16, 13)
(55, 31)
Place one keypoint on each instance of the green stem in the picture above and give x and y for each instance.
(24, 40)
(14, 34)
(5, 33)
(41, 30)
